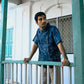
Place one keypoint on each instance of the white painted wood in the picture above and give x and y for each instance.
(47, 74)
(21, 73)
(54, 72)
(4, 73)
(36, 74)
(62, 75)
(25, 73)
(70, 75)
(12, 73)
(41, 74)
(16, 73)
(8, 73)
(30, 73)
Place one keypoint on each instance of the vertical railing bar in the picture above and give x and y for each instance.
(54, 72)
(62, 75)
(16, 73)
(21, 74)
(30, 73)
(12, 73)
(36, 74)
(41, 74)
(70, 75)
(25, 73)
(8, 73)
(47, 74)
(5, 73)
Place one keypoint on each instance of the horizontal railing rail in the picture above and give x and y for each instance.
(16, 69)
(37, 62)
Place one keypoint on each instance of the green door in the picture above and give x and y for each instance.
(9, 42)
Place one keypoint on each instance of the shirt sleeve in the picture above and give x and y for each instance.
(35, 39)
(56, 35)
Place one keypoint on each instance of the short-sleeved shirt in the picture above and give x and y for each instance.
(47, 41)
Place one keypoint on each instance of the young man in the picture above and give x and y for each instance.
(49, 42)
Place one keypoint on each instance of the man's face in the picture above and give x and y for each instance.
(42, 22)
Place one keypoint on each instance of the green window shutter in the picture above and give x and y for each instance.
(9, 42)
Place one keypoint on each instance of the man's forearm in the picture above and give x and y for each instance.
(64, 54)
(34, 48)
(62, 50)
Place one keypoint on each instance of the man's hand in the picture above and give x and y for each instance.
(26, 59)
(65, 62)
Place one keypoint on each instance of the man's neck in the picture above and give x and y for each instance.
(42, 28)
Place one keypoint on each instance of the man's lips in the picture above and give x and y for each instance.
(44, 24)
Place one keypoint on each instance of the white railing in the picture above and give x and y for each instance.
(17, 66)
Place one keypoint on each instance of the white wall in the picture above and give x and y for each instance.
(21, 18)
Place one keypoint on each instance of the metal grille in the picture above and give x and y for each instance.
(64, 25)
(52, 21)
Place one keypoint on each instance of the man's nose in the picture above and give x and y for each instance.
(43, 20)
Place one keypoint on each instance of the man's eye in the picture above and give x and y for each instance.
(44, 18)
(40, 19)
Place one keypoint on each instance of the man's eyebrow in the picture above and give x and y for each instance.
(40, 18)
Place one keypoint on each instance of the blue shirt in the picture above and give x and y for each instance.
(47, 41)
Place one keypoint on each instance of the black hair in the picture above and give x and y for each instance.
(39, 14)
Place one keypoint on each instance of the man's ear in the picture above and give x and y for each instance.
(36, 22)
